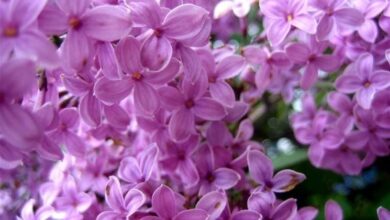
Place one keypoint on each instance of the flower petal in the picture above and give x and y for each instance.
(333, 211)
(112, 91)
(156, 52)
(260, 167)
(113, 194)
(213, 203)
(306, 23)
(106, 23)
(226, 178)
(192, 214)
(286, 180)
(208, 109)
(163, 202)
(145, 97)
(223, 93)
(129, 55)
(181, 124)
(90, 110)
(277, 31)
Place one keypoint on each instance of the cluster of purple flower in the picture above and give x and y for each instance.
(135, 114)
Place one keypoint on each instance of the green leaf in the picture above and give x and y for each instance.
(287, 160)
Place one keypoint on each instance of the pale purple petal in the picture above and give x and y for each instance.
(277, 31)
(90, 110)
(246, 215)
(309, 77)
(129, 55)
(145, 97)
(226, 178)
(74, 144)
(156, 52)
(325, 27)
(53, 20)
(298, 52)
(209, 109)
(108, 61)
(106, 23)
(134, 199)
(349, 16)
(129, 170)
(213, 203)
(166, 75)
(117, 116)
(285, 210)
(192, 214)
(163, 202)
(170, 97)
(260, 167)
(112, 91)
(328, 63)
(306, 23)
(113, 194)
(365, 96)
(230, 67)
(76, 51)
(380, 79)
(181, 124)
(333, 211)
(76, 8)
(383, 213)
(286, 180)
(223, 93)
(348, 83)
(368, 31)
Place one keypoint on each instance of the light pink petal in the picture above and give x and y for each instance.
(74, 8)
(19, 127)
(145, 97)
(230, 67)
(260, 167)
(184, 22)
(380, 79)
(156, 52)
(277, 31)
(181, 124)
(209, 109)
(129, 55)
(223, 93)
(192, 214)
(306, 23)
(286, 180)
(113, 194)
(36, 46)
(129, 170)
(213, 203)
(333, 211)
(309, 77)
(112, 91)
(108, 61)
(117, 116)
(166, 75)
(107, 23)
(325, 27)
(298, 52)
(89, 108)
(368, 31)
(349, 16)
(163, 202)
(365, 96)
(226, 178)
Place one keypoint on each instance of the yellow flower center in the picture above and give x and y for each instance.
(136, 76)
(10, 32)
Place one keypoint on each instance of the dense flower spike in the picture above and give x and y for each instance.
(148, 109)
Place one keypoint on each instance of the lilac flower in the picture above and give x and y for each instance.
(281, 16)
(178, 159)
(72, 200)
(213, 203)
(364, 80)
(187, 24)
(335, 14)
(312, 58)
(135, 171)
(65, 133)
(333, 211)
(261, 170)
(227, 68)
(186, 103)
(370, 9)
(42, 213)
(383, 213)
(82, 23)
(344, 106)
(211, 176)
(240, 8)
(20, 35)
(122, 208)
(261, 205)
(139, 79)
(270, 64)
(166, 206)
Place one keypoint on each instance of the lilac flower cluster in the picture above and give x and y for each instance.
(117, 109)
